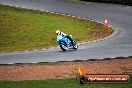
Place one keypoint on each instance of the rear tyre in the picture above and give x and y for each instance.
(81, 80)
(63, 46)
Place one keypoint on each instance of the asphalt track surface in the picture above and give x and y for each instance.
(119, 45)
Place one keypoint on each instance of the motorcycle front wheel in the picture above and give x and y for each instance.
(75, 46)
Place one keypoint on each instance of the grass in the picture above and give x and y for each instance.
(22, 29)
(58, 83)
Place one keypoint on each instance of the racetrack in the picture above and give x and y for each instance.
(116, 46)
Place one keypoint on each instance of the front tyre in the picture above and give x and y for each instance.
(63, 46)
(75, 46)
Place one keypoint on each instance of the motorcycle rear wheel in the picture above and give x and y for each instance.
(63, 46)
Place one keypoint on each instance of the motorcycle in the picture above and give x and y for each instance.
(66, 44)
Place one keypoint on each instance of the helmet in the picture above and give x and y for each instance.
(58, 32)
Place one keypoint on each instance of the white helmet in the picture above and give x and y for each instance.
(58, 32)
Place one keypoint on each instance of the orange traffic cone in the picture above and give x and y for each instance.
(106, 25)
(82, 72)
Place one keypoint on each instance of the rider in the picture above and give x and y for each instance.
(60, 35)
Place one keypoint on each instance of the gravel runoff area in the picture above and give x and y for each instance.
(64, 69)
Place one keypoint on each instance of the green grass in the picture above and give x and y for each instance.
(58, 83)
(22, 29)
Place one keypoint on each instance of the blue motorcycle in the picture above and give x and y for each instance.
(66, 44)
